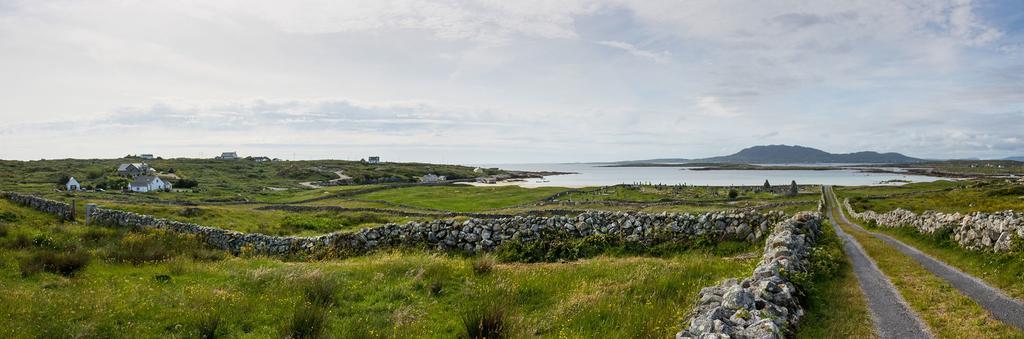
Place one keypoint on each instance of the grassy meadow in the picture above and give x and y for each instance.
(945, 196)
(70, 280)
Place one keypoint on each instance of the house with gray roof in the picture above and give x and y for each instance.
(134, 169)
(148, 183)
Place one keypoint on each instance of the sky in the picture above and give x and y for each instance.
(509, 81)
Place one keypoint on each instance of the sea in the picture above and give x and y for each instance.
(600, 175)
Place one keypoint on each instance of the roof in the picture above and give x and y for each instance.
(225, 154)
(143, 180)
(138, 165)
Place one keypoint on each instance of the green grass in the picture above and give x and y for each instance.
(835, 304)
(947, 313)
(1002, 270)
(462, 198)
(185, 290)
(945, 196)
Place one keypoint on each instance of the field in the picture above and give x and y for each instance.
(946, 196)
(103, 282)
(150, 284)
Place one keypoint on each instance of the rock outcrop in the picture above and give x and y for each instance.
(995, 232)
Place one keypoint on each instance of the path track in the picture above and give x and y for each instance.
(1001, 306)
(892, 316)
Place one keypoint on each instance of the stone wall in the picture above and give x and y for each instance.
(472, 235)
(974, 231)
(764, 305)
(62, 210)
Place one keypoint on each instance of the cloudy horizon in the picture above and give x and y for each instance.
(509, 82)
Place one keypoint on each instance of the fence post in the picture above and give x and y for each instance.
(72, 216)
(88, 212)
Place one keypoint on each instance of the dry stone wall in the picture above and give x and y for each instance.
(62, 210)
(995, 232)
(472, 235)
(764, 305)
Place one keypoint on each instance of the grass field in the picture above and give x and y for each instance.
(121, 283)
(462, 198)
(945, 196)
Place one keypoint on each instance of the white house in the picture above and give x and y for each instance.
(432, 178)
(228, 156)
(73, 185)
(148, 183)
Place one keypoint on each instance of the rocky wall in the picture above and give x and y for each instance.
(764, 305)
(995, 231)
(62, 210)
(472, 235)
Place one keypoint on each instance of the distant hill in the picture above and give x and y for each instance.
(783, 154)
(1021, 159)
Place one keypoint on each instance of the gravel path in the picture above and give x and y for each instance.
(1001, 306)
(892, 316)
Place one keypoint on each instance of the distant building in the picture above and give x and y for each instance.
(134, 169)
(147, 156)
(429, 178)
(260, 159)
(373, 160)
(73, 185)
(487, 180)
(478, 170)
(148, 183)
(228, 156)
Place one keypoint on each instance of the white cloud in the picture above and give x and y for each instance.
(479, 76)
(659, 57)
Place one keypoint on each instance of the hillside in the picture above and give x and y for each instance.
(1020, 158)
(784, 154)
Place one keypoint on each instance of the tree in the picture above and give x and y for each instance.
(186, 183)
(793, 189)
(733, 193)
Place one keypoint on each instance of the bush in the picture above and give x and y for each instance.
(307, 321)
(185, 183)
(487, 322)
(66, 264)
(208, 325)
(483, 265)
(319, 291)
(733, 194)
(8, 216)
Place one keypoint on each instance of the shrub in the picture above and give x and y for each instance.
(8, 216)
(307, 321)
(483, 265)
(319, 291)
(733, 194)
(153, 245)
(208, 325)
(66, 264)
(186, 183)
(436, 288)
(488, 322)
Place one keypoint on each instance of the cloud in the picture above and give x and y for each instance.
(659, 57)
(509, 81)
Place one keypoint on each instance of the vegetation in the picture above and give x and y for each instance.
(835, 303)
(460, 198)
(945, 196)
(182, 290)
(948, 313)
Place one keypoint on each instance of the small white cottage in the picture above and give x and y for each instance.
(148, 183)
(73, 185)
